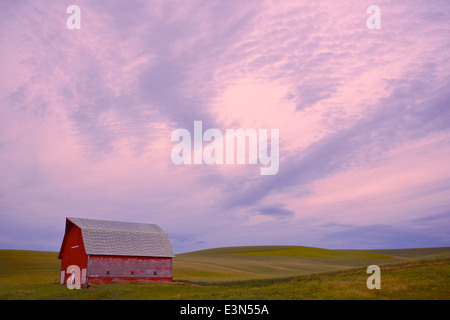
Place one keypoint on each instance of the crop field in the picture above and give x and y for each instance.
(264, 272)
(262, 262)
(243, 263)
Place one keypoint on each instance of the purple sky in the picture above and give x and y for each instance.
(86, 118)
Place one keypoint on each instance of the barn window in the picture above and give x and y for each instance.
(154, 273)
(132, 272)
(107, 272)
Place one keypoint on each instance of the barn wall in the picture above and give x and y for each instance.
(118, 268)
(73, 252)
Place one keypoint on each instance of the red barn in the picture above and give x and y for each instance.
(112, 251)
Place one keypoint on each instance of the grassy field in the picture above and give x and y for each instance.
(244, 263)
(22, 266)
(262, 262)
(273, 272)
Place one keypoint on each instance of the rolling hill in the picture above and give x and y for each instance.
(262, 272)
(260, 262)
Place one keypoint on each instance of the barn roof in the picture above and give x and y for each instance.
(102, 237)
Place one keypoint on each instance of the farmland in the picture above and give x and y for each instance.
(263, 262)
(265, 272)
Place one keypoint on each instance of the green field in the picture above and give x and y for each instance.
(264, 272)
(243, 263)
(262, 262)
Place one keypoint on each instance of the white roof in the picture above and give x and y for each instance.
(102, 237)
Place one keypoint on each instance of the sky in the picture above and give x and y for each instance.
(86, 118)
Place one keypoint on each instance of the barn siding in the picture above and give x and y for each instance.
(111, 268)
(72, 251)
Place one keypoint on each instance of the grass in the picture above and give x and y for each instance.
(262, 262)
(419, 280)
(297, 251)
(202, 275)
(23, 266)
